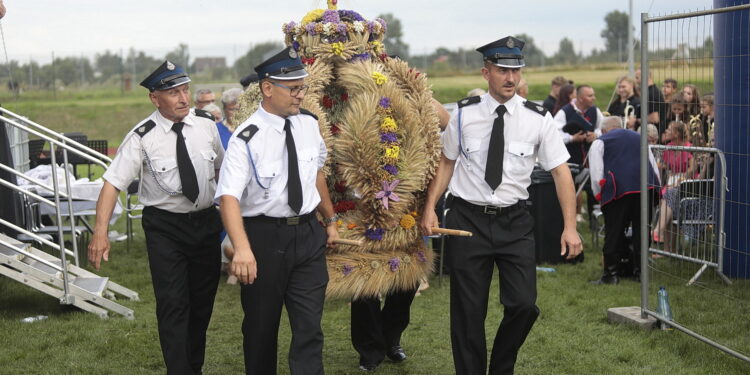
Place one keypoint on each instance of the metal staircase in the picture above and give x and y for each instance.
(54, 275)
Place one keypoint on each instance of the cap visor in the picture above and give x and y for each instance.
(174, 83)
(290, 76)
(509, 63)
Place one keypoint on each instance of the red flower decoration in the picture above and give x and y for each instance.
(383, 56)
(343, 206)
(335, 129)
(598, 197)
(327, 101)
(344, 97)
(602, 182)
(415, 74)
(308, 61)
(340, 186)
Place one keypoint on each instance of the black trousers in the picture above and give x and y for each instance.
(618, 216)
(374, 330)
(185, 259)
(505, 240)
(292, 272)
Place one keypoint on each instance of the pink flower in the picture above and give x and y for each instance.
(388, 194)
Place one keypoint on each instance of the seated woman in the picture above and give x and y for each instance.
(627, 99)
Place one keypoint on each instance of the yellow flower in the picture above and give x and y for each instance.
(388, 124)
(379, 78)
(312, 16)
(392, 152)
(337, 48)
(339, 222)
(407, 221)
(377, 46)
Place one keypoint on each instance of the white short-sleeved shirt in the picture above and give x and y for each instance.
(157, 169)
(529, 136)
(269, 156)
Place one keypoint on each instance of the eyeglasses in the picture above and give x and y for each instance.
(293, 91)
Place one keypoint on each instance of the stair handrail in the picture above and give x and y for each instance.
(66, 144)
(23, 252)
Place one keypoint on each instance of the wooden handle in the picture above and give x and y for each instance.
(451, 232)
(344, 241)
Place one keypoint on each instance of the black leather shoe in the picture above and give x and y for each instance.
(396, 354)
(368, 368)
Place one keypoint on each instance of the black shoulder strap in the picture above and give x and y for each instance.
(535, 107)
(247, 134)
(306, 112)
(204, 114)
(144, 128)
(469, 101)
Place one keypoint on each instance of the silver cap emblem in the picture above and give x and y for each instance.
(292, 53)
(170, 66)
(510, 43)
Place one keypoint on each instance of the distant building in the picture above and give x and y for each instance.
(204, 63)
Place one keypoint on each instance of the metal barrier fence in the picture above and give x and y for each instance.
(700, 219)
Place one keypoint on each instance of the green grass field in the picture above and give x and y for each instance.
(571, 336)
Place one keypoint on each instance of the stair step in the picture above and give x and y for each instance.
(42, 267)
(94, 285)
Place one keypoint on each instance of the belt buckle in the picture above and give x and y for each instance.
(294, 220)
(491, 210)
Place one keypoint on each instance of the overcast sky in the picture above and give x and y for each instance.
(33, 29)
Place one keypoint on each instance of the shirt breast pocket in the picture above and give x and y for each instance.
(208, 157)
(308, 163)
(166, 173)
(268, 172)
(519, 159)
(470, 150)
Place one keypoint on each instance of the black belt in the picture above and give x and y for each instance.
(151, 210)
(490, 210)
(294, 220)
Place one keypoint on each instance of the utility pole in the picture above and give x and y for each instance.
(631, 69)
(54, 77)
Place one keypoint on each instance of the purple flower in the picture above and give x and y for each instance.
(388, 137)
(361, 57)
(331, 16)
(382, 23)
(341, 28)
(310, 28)
(295, 45)
(371, 26)
(289, 27)
(388, 194)
(385, 102)
(347, 270)
(375, 234)
(390, 168)
(350, 15)
(394, 263)
(421, 257)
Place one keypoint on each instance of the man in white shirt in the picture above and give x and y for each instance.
(270, 186)
(489, 150)
(176, 154)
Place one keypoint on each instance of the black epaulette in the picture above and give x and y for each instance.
(469, 101)
(535, 107)
(144, 128)
(247, 134)
(204, 114)
(306, 112)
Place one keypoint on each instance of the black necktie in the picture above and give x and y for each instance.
(185, 165)
(493, 171)
(294, 187)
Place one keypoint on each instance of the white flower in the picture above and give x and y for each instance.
(327, 28)
(359, 26)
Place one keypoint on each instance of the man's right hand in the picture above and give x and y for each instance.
(429, 220)
(244, 266)
(99, 248)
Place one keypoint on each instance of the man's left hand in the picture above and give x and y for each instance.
(570, 243)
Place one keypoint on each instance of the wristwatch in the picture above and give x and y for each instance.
(331, 219)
